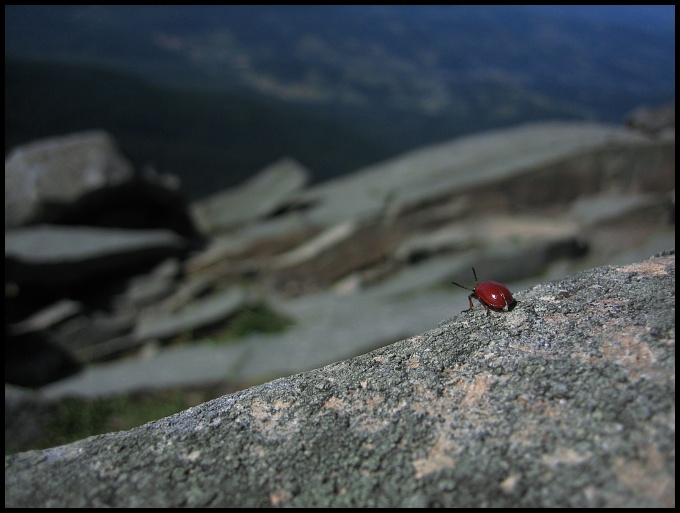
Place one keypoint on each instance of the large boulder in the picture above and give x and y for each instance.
(83, 178)
(45, 177)
(567, 401)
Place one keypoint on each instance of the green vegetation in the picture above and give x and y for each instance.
(79, 418)
(259, 318)
(73, 418)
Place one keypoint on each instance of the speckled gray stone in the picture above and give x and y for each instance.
(567, 401)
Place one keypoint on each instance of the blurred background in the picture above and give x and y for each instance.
(203, 198)
(213, 94)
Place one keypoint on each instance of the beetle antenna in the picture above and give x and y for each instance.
(475, 273)
(461, 286)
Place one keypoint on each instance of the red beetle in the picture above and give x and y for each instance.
(491, 294)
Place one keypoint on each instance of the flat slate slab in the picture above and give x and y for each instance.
(260, 196)
(197, 314)
(457, 166)
(62, 254)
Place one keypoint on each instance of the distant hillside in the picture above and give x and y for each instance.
(438, 61)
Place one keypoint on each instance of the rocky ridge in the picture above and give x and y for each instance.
(514, 202)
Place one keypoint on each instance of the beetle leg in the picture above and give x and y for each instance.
(471, 305)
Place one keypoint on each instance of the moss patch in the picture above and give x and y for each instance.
(258, 318)
(77, 418)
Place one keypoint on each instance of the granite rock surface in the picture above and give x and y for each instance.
(567, 401)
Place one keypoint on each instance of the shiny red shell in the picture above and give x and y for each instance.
(494, 295)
